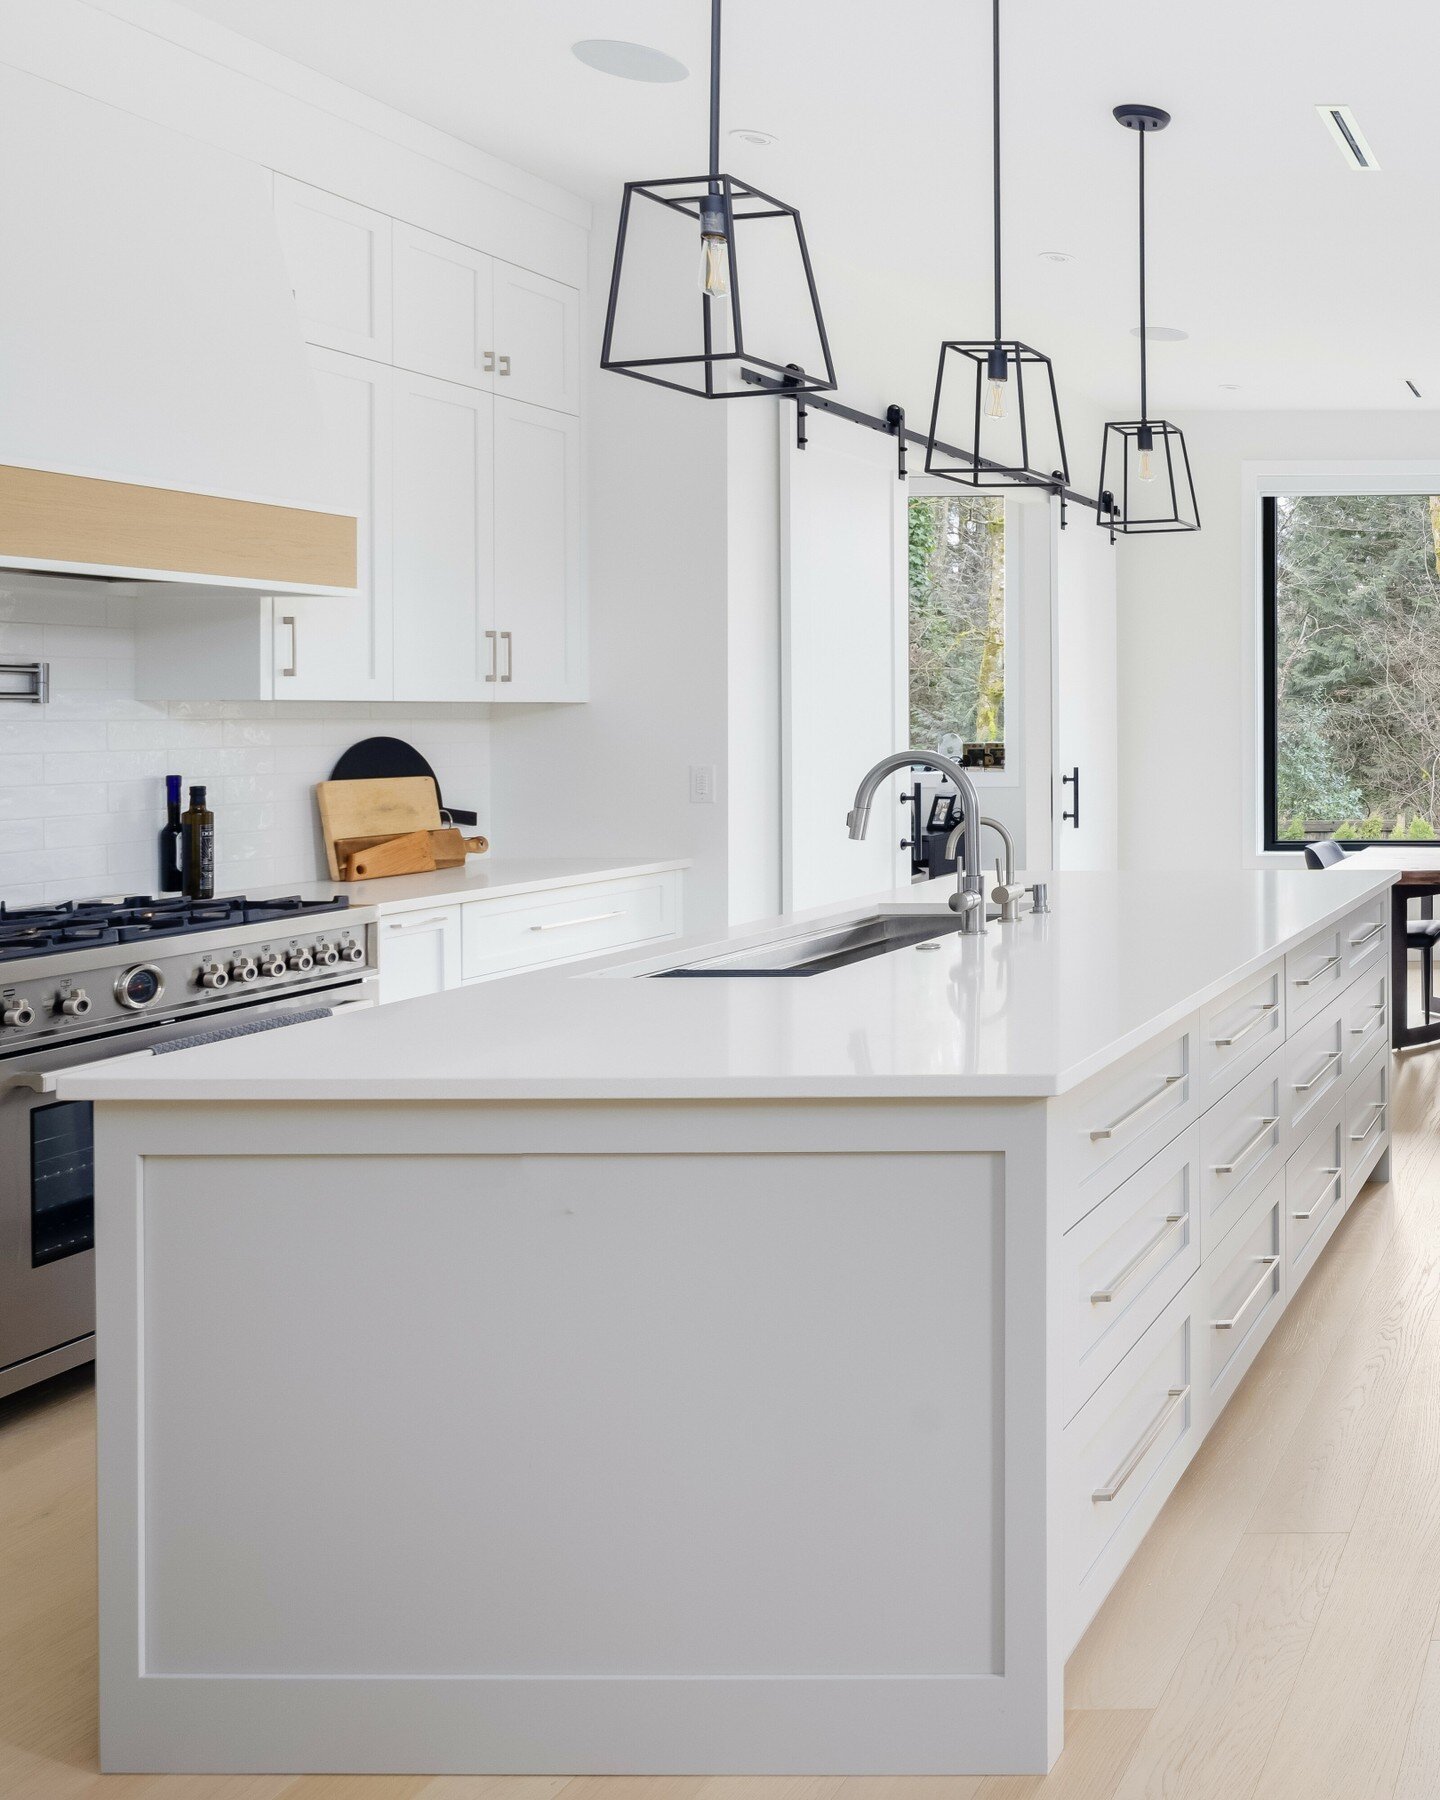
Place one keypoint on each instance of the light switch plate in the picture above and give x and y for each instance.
(702, 784)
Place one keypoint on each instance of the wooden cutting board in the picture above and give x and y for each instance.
(375, 809)
(448, 848)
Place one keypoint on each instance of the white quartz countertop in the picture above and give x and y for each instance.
(478, 878)
(1029, 1009)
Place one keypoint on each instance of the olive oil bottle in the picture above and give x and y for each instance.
(197, 847)
(170, 835)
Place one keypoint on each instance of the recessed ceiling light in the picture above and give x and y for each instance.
(1231, 387)
(749, 134)
(1161, 334)
(1056, 256)
(1340, 123)
(631, 62)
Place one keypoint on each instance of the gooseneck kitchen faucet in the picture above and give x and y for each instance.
(969, 897)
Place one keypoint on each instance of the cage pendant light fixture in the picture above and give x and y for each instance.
(1145, 480)
(722, 236)
(995, 397)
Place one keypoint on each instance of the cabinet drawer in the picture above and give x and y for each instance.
(1244, 1283)
(1367, 1120)
(1314, 975)
(1239, 1031)
(1106, 1129)
(501, 936)
(418, 953)
(1125, 1450)
(1316, 1060)
(1126, 1260)
(1366, 1018)
(1241, 1148)
(1365, 934)
(1315, 1190)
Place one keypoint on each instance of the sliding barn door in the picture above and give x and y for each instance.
(1084, 675)
(844, 653)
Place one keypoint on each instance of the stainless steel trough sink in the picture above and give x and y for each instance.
(815, 952)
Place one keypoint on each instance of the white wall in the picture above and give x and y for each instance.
(1185, 677)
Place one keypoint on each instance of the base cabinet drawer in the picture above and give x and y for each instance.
(1315, 1191)
(1366, 1009)
(1239, 1031)
(1367, 1121)
(499, 937)
(418, 953)
(1125, 1450)
(1364, 935)
(1244, 1287)
(1316, 1060)
(1315, 974)
(1241, 1149)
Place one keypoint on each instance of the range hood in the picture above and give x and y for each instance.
(157, 417)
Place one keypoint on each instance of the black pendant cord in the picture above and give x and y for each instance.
(714, 96)
(1144, 342)
(995, 140)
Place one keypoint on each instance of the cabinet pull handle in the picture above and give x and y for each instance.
(489, 362)
(1141, 1256)
(415, 924)
(1266, 1127)
(1367, 937)
(1108, 1131)
(1361, 1031)
(504, 365)
(1271, 1264)
(1176, 1397)
(294, 669)
(1325, 968)
(1332, 1176)
(1224, 1043)
(1378, 1108)
(589, 919)
(508, 640)
(492, 638)
(1304, 1087)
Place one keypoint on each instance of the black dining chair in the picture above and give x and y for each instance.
(1420, 934)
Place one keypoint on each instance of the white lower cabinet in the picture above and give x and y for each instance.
(419, 953)
(1315, 1191)
(1367, 1120)
(1241, 1148)
(1244, 1290)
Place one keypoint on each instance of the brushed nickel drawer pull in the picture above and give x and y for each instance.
(1140, 1256)
(393, 925)
(1304, 1087)
(1368, 938)
(1361, 1031)
(1271, 1264)
(1332, 1175)
(1224, 1043)
(589, 919)
(492, 638)
(1330, 963)
(1266, 1127)
(1108, 1131)
(1378, 1108)
(1175, 1398)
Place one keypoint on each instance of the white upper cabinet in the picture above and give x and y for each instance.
(537, 339)
(538, 600)
(444, 309)
(338, 255)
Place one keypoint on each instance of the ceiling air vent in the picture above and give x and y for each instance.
(1340, 123)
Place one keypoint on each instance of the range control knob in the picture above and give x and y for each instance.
(212, 976)
(243, 969)
(326, 955)
(300, 960)
(17, 1012)
(272, 963)
(350, 951)
(75, 1004)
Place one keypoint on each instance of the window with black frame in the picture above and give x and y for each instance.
(1351, 668)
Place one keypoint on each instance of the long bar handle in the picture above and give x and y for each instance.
(294, 669)
(492, 638)
(1266, 1127)
(1368, 937)
(393, 925)
(1224, 1043)
(1271, 1264)
(1324, 969)
(1176, 1397)
(1361, 1031)
(1332, 1176)
(589, 919)
(1304, 1087)
(1141, 1256)
(1108, 1131)
(1378, 1108)
(507, 638)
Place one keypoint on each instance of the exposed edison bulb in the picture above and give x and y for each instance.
(714, 264)
(1147, 465)
(995, 400)
(997, 370)
(1145, 444)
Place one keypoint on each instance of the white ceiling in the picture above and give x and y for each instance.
(1304, 283)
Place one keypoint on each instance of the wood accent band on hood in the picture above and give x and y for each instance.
(78, 519)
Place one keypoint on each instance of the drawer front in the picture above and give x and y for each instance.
(530, 930)
(1241, 1149)
(1125, 1450)
(418, 953)
(1367, 1120)
(1126, 1260)
(1315, 1190)
(1315, 974)
(1366, 935)
(1244, 1283)
(1106, 1129)
(1367, 1018)
(1316, 1060)
(1239, 1031)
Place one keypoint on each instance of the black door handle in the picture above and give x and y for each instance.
(1073, 778)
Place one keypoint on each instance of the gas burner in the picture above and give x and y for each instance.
(140, 918)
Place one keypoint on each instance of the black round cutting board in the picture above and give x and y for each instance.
(381, 758)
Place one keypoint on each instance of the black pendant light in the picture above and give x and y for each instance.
(1145, 480)
(697, 342)
(996, 396)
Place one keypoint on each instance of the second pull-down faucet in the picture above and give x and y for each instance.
(969, 897)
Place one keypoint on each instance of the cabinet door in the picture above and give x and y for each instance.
(338, 256)
(444, 583)
(538, 601)
(419, 953)
(334, 649)
(444, 310)
(537, 336)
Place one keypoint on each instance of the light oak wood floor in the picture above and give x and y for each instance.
(1277, 1636)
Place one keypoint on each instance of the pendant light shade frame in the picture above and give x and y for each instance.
(717, 202)
(966, 365)
(1166, 501)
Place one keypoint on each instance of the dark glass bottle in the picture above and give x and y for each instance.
(170, 882)
(197, 841)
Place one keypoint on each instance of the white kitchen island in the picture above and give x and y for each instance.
(600, 1373)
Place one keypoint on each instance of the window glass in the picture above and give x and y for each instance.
(957, 622)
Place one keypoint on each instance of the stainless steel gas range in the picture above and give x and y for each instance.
(90, 980)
